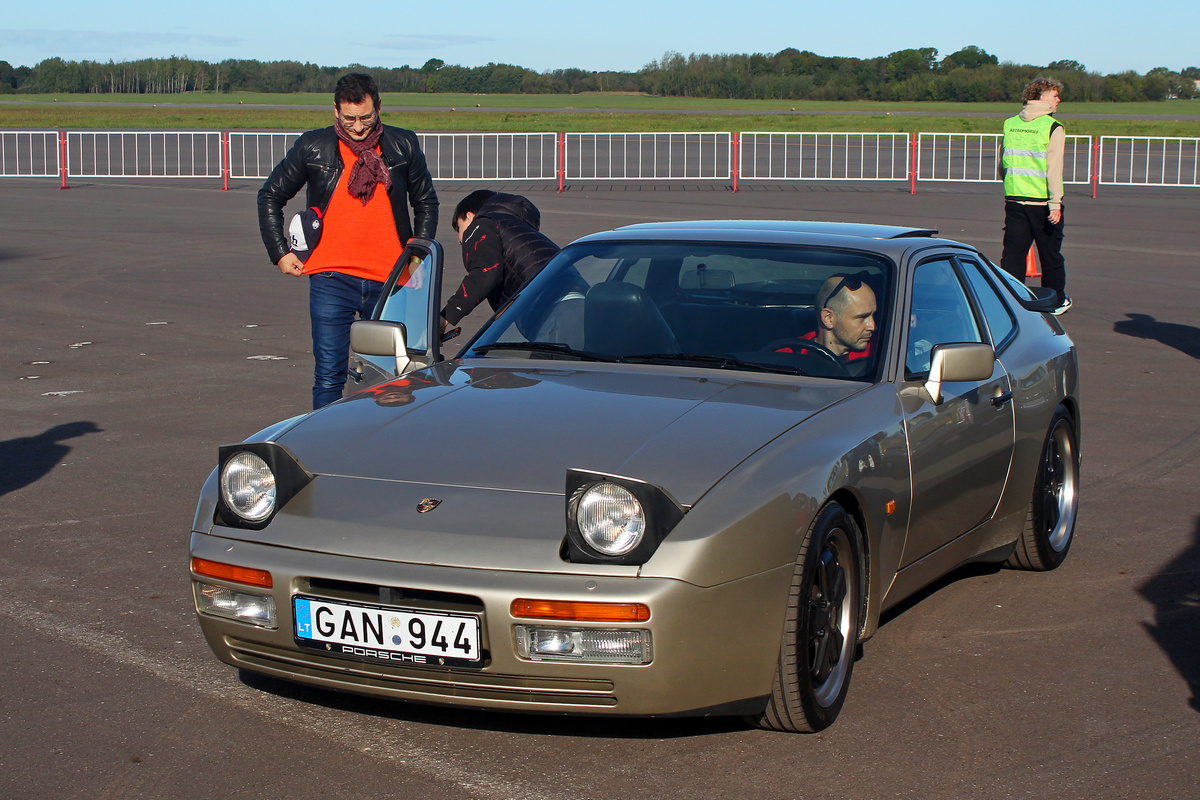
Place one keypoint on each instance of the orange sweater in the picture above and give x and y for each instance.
(356, 239)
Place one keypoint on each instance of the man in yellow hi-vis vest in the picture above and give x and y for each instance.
(1031, 164)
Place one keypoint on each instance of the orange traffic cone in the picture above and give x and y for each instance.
(1032, 270)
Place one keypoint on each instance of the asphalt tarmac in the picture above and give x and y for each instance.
(142, 326)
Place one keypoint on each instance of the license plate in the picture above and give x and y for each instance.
(386, 633)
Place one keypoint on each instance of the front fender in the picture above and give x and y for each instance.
(755, 518)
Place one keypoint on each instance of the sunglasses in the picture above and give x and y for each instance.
(349, 120)
(849, 282)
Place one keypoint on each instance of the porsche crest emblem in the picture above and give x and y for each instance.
(427, 505)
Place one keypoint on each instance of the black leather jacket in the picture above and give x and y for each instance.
(314, 160)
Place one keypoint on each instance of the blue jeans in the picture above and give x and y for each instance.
(334, 300)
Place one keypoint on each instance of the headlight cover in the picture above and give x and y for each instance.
(255, 480)
(616, 520)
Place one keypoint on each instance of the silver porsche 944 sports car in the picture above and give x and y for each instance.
(682, 473)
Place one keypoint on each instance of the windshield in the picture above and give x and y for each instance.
(751, 307)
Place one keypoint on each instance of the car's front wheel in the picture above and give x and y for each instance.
(1050, 522)
(820, 635)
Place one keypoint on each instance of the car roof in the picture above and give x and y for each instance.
(861, 229)
(891, 239)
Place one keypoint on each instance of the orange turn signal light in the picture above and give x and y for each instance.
(891, 507)
(579, 611)
(232, 573)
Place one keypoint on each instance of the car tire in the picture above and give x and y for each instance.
(1050, 522)
(820, 635)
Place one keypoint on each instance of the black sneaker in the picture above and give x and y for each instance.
(1064, 307)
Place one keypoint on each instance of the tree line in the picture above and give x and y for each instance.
(968, 75)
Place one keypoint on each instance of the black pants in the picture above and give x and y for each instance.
(1024, 226)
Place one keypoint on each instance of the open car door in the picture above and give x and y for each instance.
(403, 333)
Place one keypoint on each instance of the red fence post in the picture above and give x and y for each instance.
(735, 154)
(225, 160)
(562, 158)
(1095, 166)
(62, 158)
(912, 163)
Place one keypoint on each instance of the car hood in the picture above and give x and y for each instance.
(509, 427)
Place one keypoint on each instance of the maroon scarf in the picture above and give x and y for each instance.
(369, 169)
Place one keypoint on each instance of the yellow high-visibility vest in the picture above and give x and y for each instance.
(1024, 157)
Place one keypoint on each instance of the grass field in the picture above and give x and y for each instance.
(599, 112)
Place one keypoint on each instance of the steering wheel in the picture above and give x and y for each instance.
(810, 348)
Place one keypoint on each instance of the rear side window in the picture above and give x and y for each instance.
(1019, 290)
(999, 318)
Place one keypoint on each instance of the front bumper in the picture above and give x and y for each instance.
(715, 649)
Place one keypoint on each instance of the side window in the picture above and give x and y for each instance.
(940, 314)
(406, 299)
(600, 268)
(634, 273)
(999, 318)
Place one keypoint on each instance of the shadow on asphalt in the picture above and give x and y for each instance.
(1184, 338)
(30, 458)
(975, 570)
(501, 721)
(1175, 593)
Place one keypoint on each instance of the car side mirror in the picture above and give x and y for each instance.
(380, 338)
(950, 363)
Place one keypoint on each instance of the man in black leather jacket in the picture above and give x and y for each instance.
(355, 255)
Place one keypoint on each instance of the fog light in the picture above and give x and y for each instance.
(584, 645)
(221, 601)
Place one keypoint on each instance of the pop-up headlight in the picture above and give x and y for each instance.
(256, 479)
(616, 520)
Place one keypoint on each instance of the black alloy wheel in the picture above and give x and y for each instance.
(1050, 522)
(820, 636)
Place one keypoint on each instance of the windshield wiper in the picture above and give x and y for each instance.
(708, 360)
(545, 347)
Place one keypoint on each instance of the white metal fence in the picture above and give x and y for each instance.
(491, 156)
(1149, 161)
(254, 155)
(971, 157)
(824, 156)
(450, 156)
(144, 154)
(29, 154)
(750, 156)
(647, 156)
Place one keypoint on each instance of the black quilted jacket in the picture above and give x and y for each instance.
(503, 249)
(526, 248)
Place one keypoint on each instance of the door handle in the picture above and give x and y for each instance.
(1000, 399)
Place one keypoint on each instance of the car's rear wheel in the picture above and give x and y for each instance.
(1050, 523)
(820, 635)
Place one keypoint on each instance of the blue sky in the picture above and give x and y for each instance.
(614, 34)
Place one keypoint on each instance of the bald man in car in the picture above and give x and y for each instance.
(845, 324)
(846, 320)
